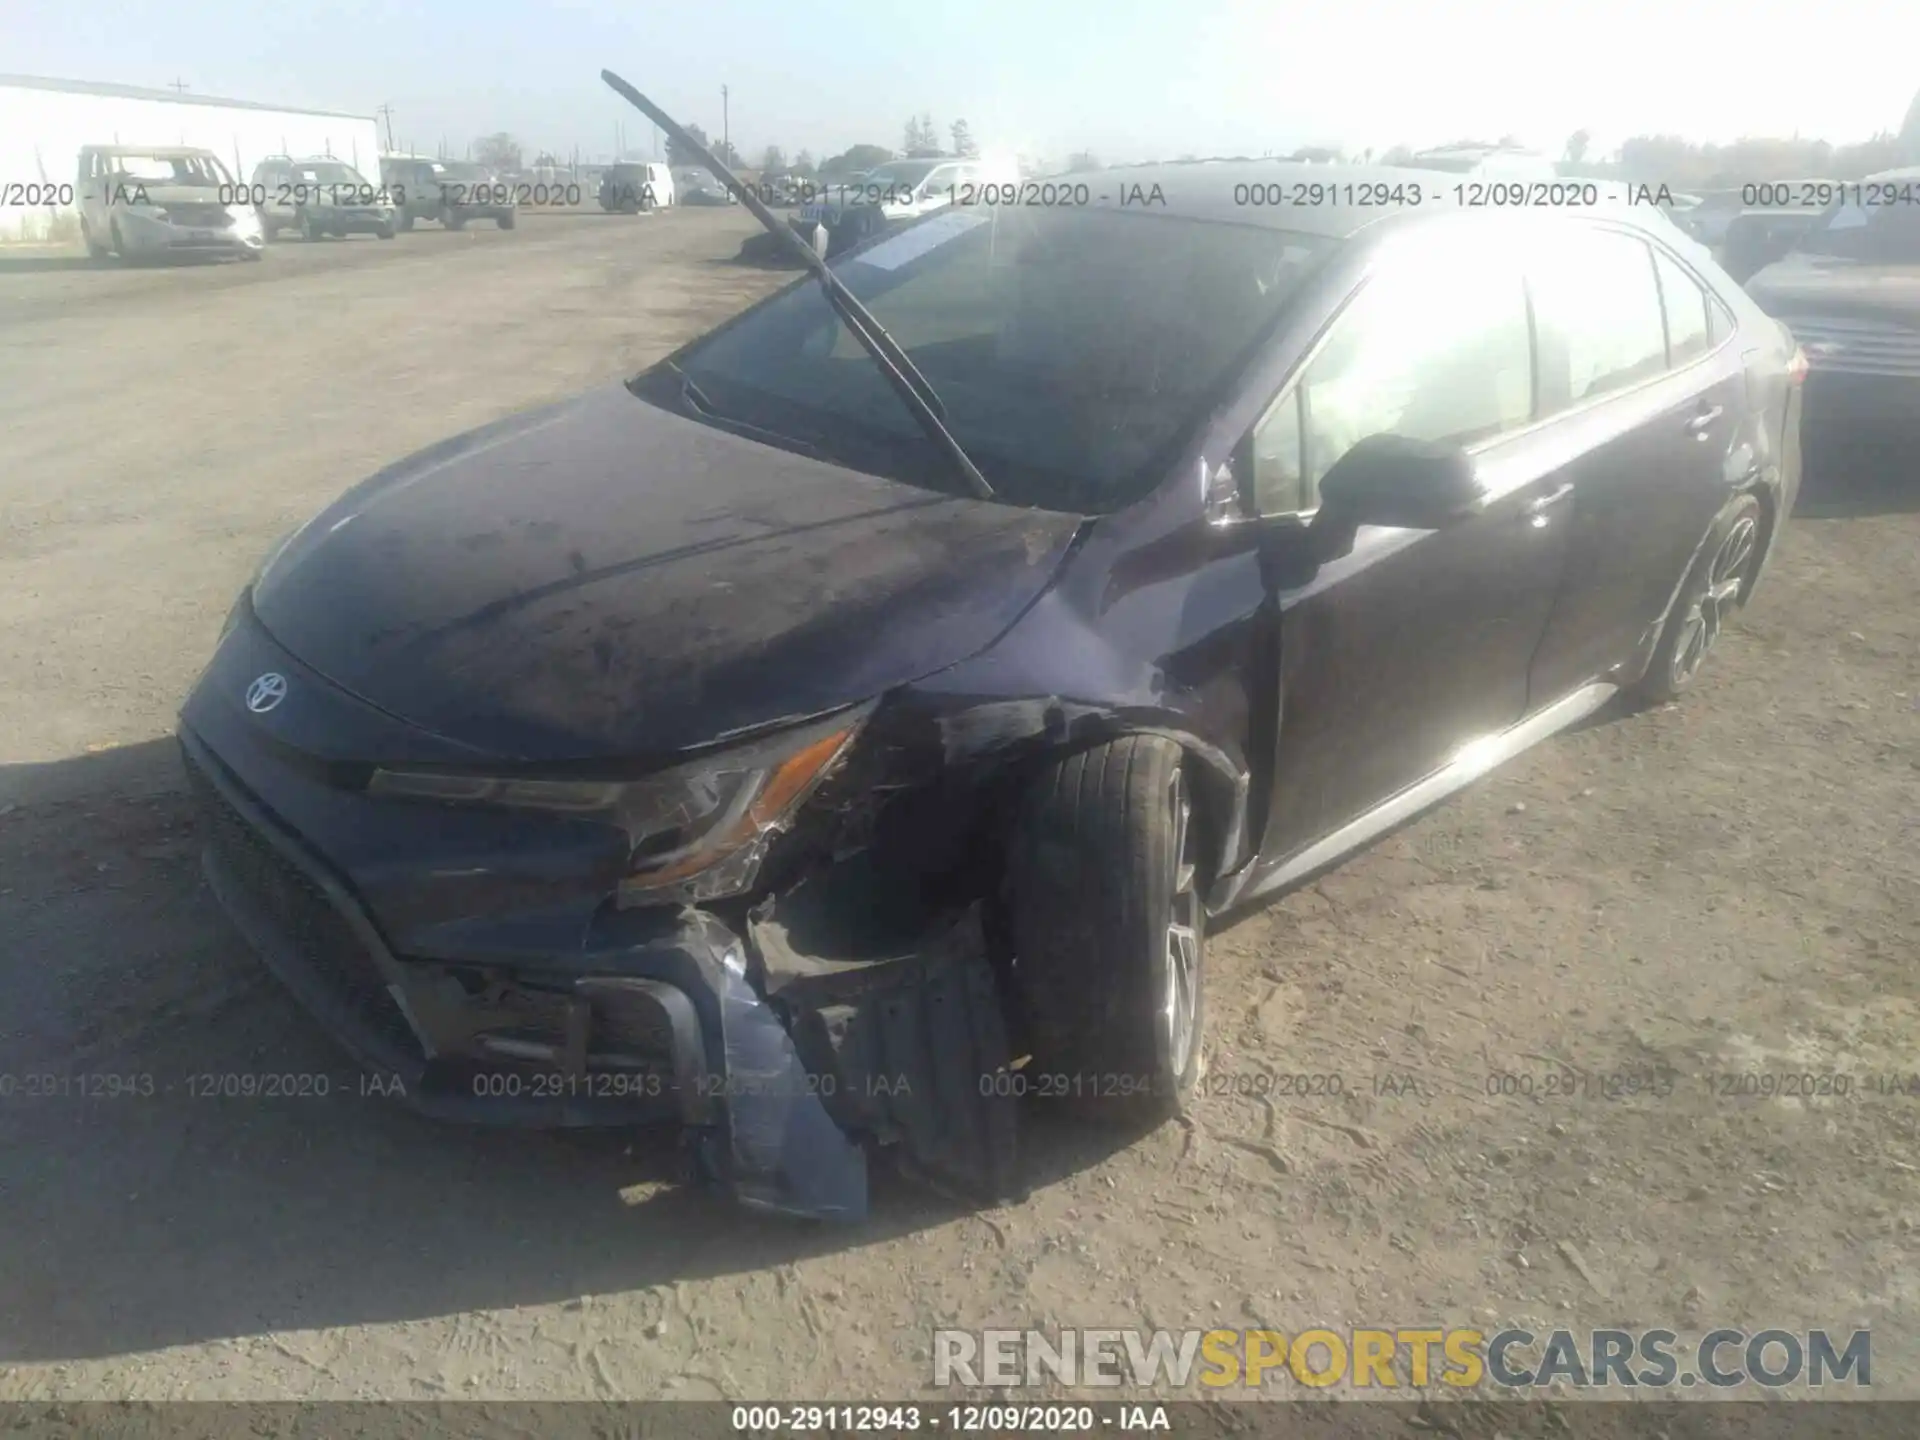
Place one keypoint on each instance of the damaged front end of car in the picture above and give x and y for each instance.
(682, 948)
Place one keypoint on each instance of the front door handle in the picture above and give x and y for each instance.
(1538, 507)
(1701, 423)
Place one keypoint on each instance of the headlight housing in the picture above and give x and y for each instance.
(696, 832)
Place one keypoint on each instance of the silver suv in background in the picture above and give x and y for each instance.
(319, 196)
(140, 201)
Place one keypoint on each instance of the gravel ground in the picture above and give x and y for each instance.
(1728, 886)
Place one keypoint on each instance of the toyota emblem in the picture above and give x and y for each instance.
(266, 692)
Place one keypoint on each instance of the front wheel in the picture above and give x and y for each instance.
(384, 232)
(404, 221)
(450, 220)
(95, 250)
(312, 228)
(506, 221)
(1713, 590)
(1108, 931)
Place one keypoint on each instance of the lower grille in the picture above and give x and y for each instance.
(315, 932)
(200, 217)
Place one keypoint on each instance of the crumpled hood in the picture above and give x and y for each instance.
(603, 577)
(1805, 284)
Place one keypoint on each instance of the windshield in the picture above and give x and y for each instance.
(1882, 234)
(1073, 349)
(167, 169)
(902, 173)
(326, 172)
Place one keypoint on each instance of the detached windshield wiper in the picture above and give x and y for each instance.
(905, 377)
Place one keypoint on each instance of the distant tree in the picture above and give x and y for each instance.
(1082, 161)
(963, 141)
(803, 163)
(773, 161)
(1316, 155)
(1398, 155)
(922, 138)
(498, 152)
(1577, 144)
(678, 155)
(727, 154)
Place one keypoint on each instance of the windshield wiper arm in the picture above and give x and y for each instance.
(905, 377)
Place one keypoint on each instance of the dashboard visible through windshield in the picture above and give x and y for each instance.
(1072, 349)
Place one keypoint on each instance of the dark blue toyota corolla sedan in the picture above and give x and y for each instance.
(847, 728)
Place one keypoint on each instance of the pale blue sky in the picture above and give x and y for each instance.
(1129, 79)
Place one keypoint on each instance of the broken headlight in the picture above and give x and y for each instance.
(696, 832)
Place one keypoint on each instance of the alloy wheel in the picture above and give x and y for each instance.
(1714, 601)
(1179, 1006)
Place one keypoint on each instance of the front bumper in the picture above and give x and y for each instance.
(147, 236)
(357, 221)
(554, 1008)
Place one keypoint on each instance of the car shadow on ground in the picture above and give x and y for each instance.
(146, 1206)
(42, 264)
(1859, 475)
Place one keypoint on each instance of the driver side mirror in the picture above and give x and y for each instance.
(1392, 480)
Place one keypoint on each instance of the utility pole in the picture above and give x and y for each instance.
(385, 112)
(179, 86)
(726, 144)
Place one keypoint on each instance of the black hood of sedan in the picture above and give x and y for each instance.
(605, 578)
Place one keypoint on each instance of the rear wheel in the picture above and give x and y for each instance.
(1108, 931)
(1711, 593)
(452, 219)
(404, 221)
(506, 221)
(384, 232)
(312, 228)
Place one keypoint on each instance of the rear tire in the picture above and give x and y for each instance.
(384, 232)
(1714, 588)
(311, 228)
(451, 221)
(404, 220)
(1108, 931)
(506, 222)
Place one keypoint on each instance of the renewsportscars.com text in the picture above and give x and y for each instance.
(1416, 1356)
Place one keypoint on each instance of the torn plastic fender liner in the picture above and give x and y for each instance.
(906, 1042)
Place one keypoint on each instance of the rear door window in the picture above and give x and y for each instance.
(1597, 308)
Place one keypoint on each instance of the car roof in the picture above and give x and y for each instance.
(158, 152)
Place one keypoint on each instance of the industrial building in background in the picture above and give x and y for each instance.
(44, 123)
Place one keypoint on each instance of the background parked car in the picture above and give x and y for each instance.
(632, 186)
(319, 196)
(698, 187)
(1849, 289)
(473, 192)
(413, 184)
(143, 200)
(851, 211)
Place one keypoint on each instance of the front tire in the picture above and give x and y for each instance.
(405, 220)
(450, 221)
(1108, 931)
(1714, 588)
(95, 250)
(312, 228)
(505, 222)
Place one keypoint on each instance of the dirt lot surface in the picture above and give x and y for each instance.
(1728, 886)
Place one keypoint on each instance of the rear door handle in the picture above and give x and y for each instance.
(1540, 505)
(1701, 423)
